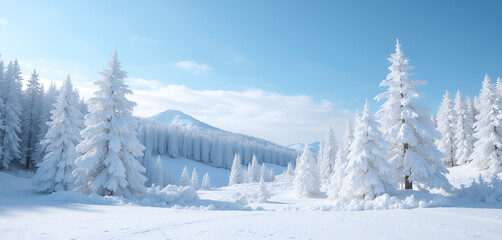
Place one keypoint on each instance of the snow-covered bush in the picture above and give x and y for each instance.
(481, 190)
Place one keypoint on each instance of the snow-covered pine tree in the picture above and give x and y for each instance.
(158, 175)
(109, 164)
(446, 124)
(471, 112)
(263, 193)
(336, 181)
(11, 114)
(31, 119)
(290, 171)
(185, 177)
(464, 140)
(487, 152)
(320, 154)
(49, 98)
(235, 172)
(2, 106)
(271, 175)
(195, 179)
(307, 178)
(254, 170)
(206, 184)
(54, 172)
(328, 157)
(368, 173)
(409, 129)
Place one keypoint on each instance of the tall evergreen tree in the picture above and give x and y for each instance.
(31, 118)
(11, 114)
(110, 147)
(407, 126)
(463, 138)
(185, 177)
(328, 157)
(2, 106)
(307, 178)
(487, 152)
(194, 182)
(446, 125)
(368, 173)
(49, 99)
(206, 182)
(335, 184)
(54, 173)
(254, 170)
(235, 172)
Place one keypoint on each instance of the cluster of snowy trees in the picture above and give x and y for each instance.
(210, 147)
(158, 177)
(254, 172)
(471, 130)
(378, 156)
(24, 115)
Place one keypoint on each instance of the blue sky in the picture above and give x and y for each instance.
(326, 50)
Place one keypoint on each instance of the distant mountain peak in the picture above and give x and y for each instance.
(178, 118)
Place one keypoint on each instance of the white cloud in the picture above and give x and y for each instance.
(273, 116)
(280, 118)
(192, 66)
(3, 21)
(145, 39)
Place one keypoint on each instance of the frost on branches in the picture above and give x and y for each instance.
(409, 129)
(446, 125)
(487, 149)
(54, 173)
(368, 173)
(110, 147)
(307, 179)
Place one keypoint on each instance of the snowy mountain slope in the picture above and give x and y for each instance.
(28, 215)
(178, 118)
(314, 147)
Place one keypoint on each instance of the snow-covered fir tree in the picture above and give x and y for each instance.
(487, 152)
(446, 125)
(54, 172)
(2, 106)
(263, 193)
(235, 172)
(328, 157)
(290, 171)
(158, 174)
(464, 139)
(307, 178)
(185, 177)
(195, 179)
(31, 119)
(254, 170)
(368, 173)
(336, 181)
(206, 182)
(110, 147)
(409, 129)
(271, 175)
(11, 114)
(471, 112)
(49, 98)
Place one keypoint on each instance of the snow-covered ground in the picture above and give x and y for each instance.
(233, 213)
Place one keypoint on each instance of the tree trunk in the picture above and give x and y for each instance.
(407, 183)
(28, 161)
